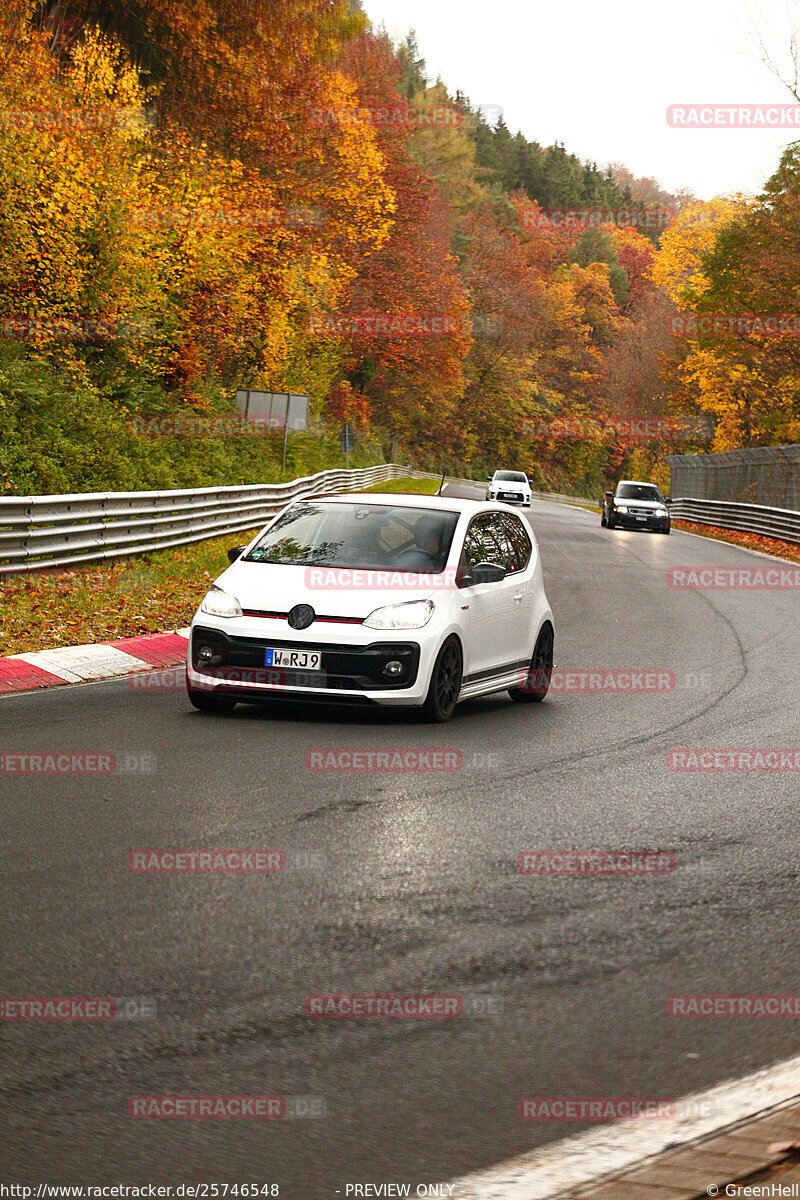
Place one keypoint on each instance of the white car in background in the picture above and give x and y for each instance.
(419, 601)
(512, 487)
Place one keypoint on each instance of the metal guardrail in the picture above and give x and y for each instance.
(783, 523)
(55, 531)
(561, 498)
(37, 532)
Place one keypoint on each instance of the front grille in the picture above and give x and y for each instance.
(351, 668)
(282, 616)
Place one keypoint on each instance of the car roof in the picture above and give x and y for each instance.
(638, 482)
(408, 500)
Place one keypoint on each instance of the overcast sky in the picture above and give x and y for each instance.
(599, 76)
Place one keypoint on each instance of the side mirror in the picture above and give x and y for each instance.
(668, 500)
(487, 572)
(609, 495)
(235, 552)
(489, 478)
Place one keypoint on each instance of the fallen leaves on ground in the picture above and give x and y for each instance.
(750, 541)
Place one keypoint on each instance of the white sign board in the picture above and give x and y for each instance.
(277, 410)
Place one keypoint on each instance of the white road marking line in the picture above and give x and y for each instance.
(555, 1170)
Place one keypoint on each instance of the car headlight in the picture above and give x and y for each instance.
(221, 604)
(661, 512)
(621, 507)
(411, 615)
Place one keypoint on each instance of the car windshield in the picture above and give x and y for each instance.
(511, 476)
(638, 491)
(366, 536)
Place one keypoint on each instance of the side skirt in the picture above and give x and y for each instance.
(507, 678)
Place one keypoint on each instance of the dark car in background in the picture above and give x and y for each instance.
(635, 505)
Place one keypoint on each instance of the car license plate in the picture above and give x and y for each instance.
(308, 660)
(641, 518)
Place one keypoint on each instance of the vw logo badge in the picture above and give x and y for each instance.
(301, 616)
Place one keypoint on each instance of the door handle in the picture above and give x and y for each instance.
(517, 597)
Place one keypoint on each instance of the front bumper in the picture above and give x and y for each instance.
(630, 521)
(512, 498)
(350, 672)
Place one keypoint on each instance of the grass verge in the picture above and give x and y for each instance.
(595, 508)
(415, 487)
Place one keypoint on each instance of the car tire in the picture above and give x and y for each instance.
(667, 530)
(445, 684)
(542, 664)
(603, 520)
(611, 523)
(205, 702)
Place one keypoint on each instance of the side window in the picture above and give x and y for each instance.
(520, 542)
(496, 531)
(473, 548)
(481, 544)
(499, 538)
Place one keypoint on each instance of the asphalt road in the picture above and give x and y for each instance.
(416, 890)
